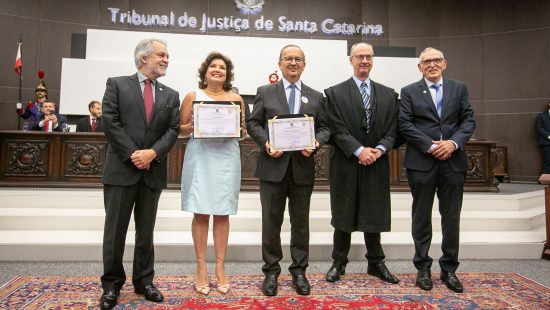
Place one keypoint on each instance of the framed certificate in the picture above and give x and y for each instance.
(216, 119)
(294, 132)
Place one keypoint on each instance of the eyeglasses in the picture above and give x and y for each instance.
(435, 61)
(362, 57)
(289, 60)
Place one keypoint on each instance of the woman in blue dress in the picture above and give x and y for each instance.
(211, 173)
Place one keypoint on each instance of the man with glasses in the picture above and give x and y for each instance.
(286, 174)
(362, 117)
(437, 121)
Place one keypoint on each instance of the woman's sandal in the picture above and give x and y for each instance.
(202, 289)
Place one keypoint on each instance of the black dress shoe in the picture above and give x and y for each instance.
(150, 292)
(269, 287)
(452, 282)
(381, 271)
(301, 284)
(424, 279)
(334, 273)
(108, 299)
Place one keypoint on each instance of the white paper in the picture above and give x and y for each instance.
(216, 120)
(291, 134)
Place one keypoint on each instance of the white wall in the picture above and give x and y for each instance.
(110, 53)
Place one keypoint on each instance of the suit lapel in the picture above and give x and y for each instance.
(425, 93)
(138, 95)
(281, 95)
(447, 89)
(304, 94)
(159, 100)
(356, 100)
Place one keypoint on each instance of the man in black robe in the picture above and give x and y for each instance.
(362, 117)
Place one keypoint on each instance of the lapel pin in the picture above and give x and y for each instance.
(160, 88)
(424, 91)
(304, 99)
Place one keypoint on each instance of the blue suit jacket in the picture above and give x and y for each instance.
(419, 124)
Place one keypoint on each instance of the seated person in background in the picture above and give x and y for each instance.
(49, 120)
(32, 110)
(92, 122)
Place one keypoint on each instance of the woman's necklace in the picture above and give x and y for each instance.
(215, 94)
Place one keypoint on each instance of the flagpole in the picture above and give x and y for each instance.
(21, 75)
(20, 78)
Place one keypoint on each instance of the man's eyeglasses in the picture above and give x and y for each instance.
(289, 60)
(363, 57)
(435, 61)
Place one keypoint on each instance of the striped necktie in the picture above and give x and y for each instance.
(366, 103)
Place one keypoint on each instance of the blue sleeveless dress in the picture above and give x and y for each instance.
(211, 175)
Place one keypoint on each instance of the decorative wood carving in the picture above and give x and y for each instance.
(37, 159)
(25, 158)
(85, 159)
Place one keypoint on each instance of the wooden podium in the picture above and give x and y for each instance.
(76, 160)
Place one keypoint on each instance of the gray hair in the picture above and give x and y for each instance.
(144, 48)
(289, 46)
(356, 44)
(427, 49)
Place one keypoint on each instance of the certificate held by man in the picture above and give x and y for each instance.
(216, 119)
(294, 132)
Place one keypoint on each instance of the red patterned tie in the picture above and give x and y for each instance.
(46, 126)
(148, 99)
(94, 124)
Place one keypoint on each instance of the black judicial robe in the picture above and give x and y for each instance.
(360, 195)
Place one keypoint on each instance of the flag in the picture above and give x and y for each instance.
(18, 61)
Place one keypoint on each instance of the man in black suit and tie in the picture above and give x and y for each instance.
(362, 116)
(286, 174)
(92, 122)
(141, 119)
(437, 121)
(543, 128)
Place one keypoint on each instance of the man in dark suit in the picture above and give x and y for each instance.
(141, 119)
(286, 174)
(543, 128)
(49, 120)
(436, 120)
(362, 117)
(92, 122)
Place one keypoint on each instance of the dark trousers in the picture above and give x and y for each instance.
(342, 244)
(273, 197)
(119, 202)
(545, 159)
(449, 186)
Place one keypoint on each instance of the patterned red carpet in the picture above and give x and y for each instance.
(355, 291)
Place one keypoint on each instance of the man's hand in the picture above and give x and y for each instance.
(142, 158)
(274, 154)
(53, 118)
(308, 152)
(443, 149)
(368, 156)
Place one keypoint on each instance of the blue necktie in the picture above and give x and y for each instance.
(438, 98)
(292, 98)
(366, 103)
